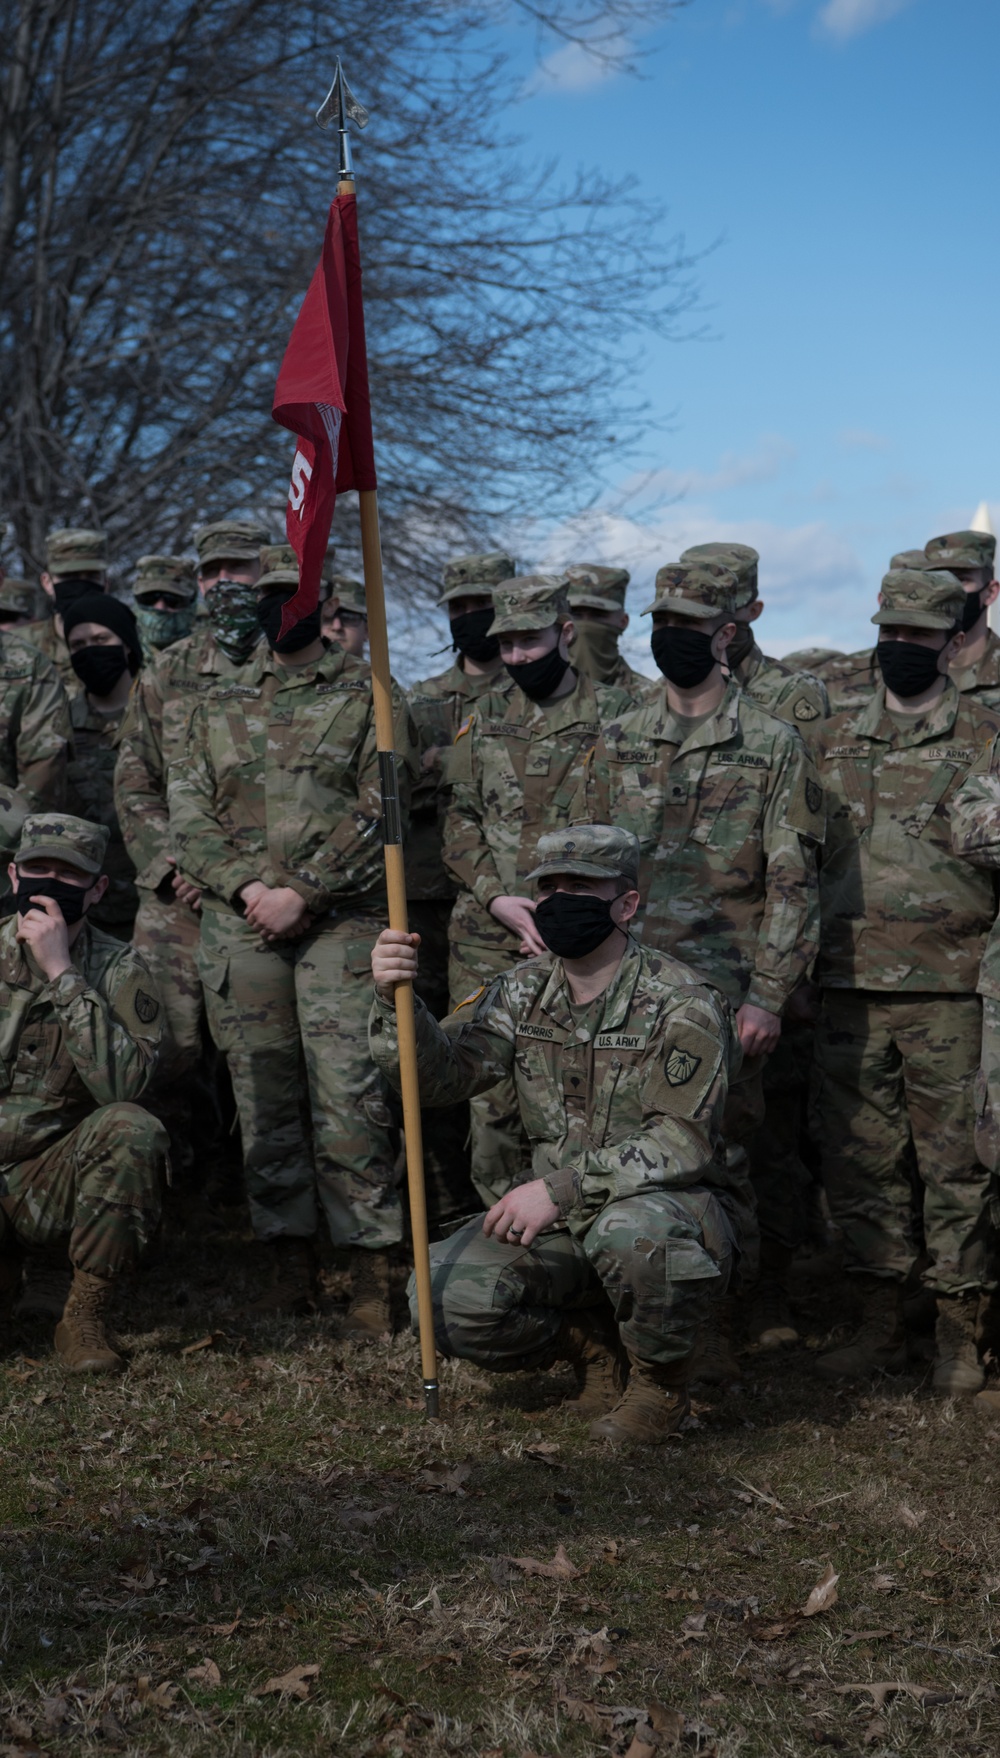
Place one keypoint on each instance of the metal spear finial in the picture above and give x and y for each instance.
(339, 105)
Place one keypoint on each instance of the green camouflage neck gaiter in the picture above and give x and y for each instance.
(232, 612)
(161, 628)
(595, 649)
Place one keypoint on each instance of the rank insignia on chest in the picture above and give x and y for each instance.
(680, 1066)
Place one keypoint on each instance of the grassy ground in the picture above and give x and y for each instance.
(259, 1546)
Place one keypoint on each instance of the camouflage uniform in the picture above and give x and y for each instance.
(595, 645)
(80, 1162)
(904, 925)
(622, 1104)
(975, 834)
(70, 555)
(279, 783)
(18, 602)
(515, 770)
(971, 549)
(90, 793)
(34, 725)
(171, 576)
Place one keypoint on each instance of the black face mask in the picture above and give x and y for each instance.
(972, 610)
(469, 636)
(907, 668)
(301, 634)
(684, 656)
(741, 645)
(68, 591)
(68, 897)
(540, 678)
(573, 924)
(99, 668)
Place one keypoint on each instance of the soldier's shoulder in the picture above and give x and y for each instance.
(979, 719)
(613, 700)
(432, 689)
(20, 658)
(761, 726)
(672, 981)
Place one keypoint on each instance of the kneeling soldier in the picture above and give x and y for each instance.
(80, 1164)
(626, 1232)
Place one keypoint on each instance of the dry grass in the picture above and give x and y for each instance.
(177, 1542)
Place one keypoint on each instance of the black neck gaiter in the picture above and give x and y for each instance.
(741, 645)
(99, 668)
(68, 897)
(972, 610)
(68, 591)
(301, 634)
(540, 678)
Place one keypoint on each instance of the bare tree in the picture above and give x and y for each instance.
(161, 206)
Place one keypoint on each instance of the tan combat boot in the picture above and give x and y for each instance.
(589, 1341)
(653, 1407)
(293, 1277)
(714, 1360)
(769, 1319)
(81, 1341)
(879, 1344)
(48, 1276)
(369, 1315)
(958, 1371)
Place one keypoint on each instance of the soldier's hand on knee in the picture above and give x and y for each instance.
(518, 914)
(522, 1214)
(759, 1030)
(394, 960)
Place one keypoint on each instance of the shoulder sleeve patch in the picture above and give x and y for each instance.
(805, 808)
(805, 710)
(137, 1005)
(470, 1000)
(690, 1065)
(464, 728)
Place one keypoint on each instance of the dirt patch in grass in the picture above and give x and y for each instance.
(259, 1546)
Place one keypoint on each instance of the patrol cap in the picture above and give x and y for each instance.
(230, 540)
(591, 851)
(476, 574)
(17, 598)
(277, 555)
(909, 558)
(594, 587)
(928, 600)
(165, 573)
(695, 589)
(348, 594)
(530, 601)
(57, 836)
(73, 551)
(962, 549)
(739, 558)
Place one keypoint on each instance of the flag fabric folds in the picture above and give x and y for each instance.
(322, 397)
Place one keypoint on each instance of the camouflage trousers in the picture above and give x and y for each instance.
(449, 1187)
(292, 1021)
(891, 1070)
(662, 1259)
(501, 1157)
(182, 1091)
(97, 1188)
(780, 1177)
(988, 1088)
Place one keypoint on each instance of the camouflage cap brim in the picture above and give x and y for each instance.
(278, 577)
(581, 869)
(467, 589)
(228, 552)
(911, 618)
(685, 607)
(31, 850)
(591, 601)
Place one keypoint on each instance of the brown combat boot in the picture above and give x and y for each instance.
(589, 1341)
(879, 1344)
(48, 1277)
(293, 1278)
(653, 1407)
(369, 1316)
(81, 1341)
(769, 1319)
(714, 1360)
(958, 1371)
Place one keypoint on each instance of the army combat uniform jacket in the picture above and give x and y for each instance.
(627, 1103)
(795, 696)
(982, 680)
(280, 782)
(850, 679)
(87, 1039)
(438, 706)
(901, 909)
(728, 818)
(90, 794)
(34, 725)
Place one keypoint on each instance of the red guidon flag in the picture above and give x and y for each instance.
(322, 396)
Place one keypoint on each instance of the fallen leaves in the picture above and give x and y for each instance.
(559, 1569)
(206, 1674)
(879, 1692)
(824, 1595)
(294, 1683)
(444, 1479)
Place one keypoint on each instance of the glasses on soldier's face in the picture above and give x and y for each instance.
(348, 619)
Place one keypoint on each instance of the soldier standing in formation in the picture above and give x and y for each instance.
(76, 565)
(105, 654)
(597, 605)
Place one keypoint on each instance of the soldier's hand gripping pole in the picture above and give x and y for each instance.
(339, 105)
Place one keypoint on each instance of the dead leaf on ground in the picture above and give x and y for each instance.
(668, 1724)
(546, 1453)
(593, 1715)
(294, 1683)
(928, 1694)
(437, 1659)
(208, 1342)
(614, 1550)
(774, 1632)
(139, 1582)
(155, 1696)
(640, 1747)
(449, 1480)
(886, 1584)
(824, 1595)
(559, 1569)
(910, 1517)
(854, 1636)
(205, 1674)
(226, 1629)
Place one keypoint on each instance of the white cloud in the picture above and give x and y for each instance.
(571, 68)
(848, 18)
(734, 470)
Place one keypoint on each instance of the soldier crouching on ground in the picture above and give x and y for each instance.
(80, 1163)
(626, 1232)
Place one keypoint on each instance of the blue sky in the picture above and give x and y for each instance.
(843, 153)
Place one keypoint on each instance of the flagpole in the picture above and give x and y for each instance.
(395, 876)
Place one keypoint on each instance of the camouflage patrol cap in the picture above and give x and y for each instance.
(165, 573)
(348, 594)
(278, 555)
(695, 589)
(18, 598)
(909, 558)
(916, 600)
(230, 540)
(278, 576)
(56, 836)
(476, 574)
(596, 587)
(962, 549)
(739, 558)
(591, 851)
(529, 602)
(76, 552)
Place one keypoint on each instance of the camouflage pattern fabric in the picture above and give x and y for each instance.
(97, 1189)
(19, 597)
(900, 909)
(850, 679)
(981, 680)
(230, 540)
(316, 1128)
(728, 817)
(794, 696)
(987, 1102)
(58, 836)
(87, 1039)
(470, 574)
(438, 706)
(182, 1092)
(46, 639)
(75, 550)
(90, 793)
(34, 725)
(779, 1174)
(447, 1158)
(891, 1070)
